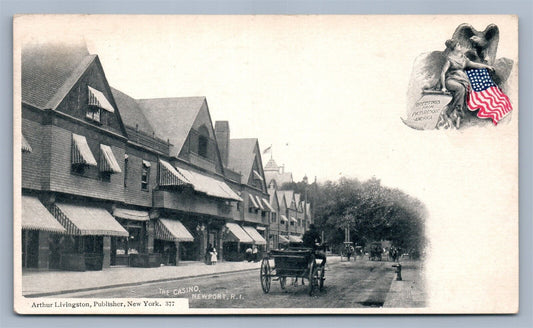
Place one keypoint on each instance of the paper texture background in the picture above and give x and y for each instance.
(468, 179)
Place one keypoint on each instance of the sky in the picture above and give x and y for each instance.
(327, 92)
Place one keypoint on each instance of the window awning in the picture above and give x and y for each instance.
(108, 162)
(36, 217)
(236, 233)
(253, 202)
(209, 186)
(284, 218)
(147, 163)
(81, 153)
(294, 220)
(124, 213)
(25, 144)
(294, 239)
(283, 239)
(257, 176)
(98, 99)
(260, 228)
(169, 176)
(268, 206)
(258, 239)
(172, 230)
(260, 203)
(87, 221)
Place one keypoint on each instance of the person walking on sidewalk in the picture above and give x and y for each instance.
(214, 256)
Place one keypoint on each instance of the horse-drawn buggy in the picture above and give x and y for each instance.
(292, 263)
(375, 252)
(347, 251)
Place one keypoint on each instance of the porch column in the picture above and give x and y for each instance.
(150, 235)
(44, 250)
(107, 252)
(177, 252)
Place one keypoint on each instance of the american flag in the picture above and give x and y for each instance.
(486, 96)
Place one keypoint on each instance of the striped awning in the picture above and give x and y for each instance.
(253, 202)
(294, 239)
(87, 221)
(258, 239)
(81, 153)
(283, 240)
(25, 144)
(284, 218)
(236, 233)
(257, 176)
(260, 203)
(127, 214)
(172, 230)
(36, 217)
(169, 176)
(268, 207)
(98, 99)
(108, 162)
(208, 185)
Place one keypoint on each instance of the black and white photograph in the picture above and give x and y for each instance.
(263, 164)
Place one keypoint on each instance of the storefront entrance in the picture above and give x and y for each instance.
(30, 248)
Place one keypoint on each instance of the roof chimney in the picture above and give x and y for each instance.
(222, 135)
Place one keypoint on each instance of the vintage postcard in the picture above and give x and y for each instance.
(298, 164)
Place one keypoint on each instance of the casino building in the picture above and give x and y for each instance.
(109, 180)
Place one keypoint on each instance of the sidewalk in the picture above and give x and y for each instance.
(39, 283)
(409, 292)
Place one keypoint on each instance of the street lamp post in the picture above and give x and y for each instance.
(305, 202)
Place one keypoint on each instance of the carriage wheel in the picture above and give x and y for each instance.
(265, 275)
(321, 278)
(313, 277)
(282, 282)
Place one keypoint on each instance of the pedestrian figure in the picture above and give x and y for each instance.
(208, 254)
(254, 254)
(249, 254)
(213, 256)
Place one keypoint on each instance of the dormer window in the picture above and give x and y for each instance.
(203, 141)
(96, 103)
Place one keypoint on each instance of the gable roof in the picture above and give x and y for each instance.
(49, 71)
(274, 198)
(297, 199)
(271, 165)
(172, 118)
(288, 196)
(241, 156)
(281, 198)
(131, 113)
(280, 178)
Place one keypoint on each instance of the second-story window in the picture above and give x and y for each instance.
(273, 218)
(145, 175)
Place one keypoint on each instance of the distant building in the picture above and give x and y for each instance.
(295, 214)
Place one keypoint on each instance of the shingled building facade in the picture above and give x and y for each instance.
(110, 180)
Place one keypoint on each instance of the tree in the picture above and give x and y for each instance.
(371, 211)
